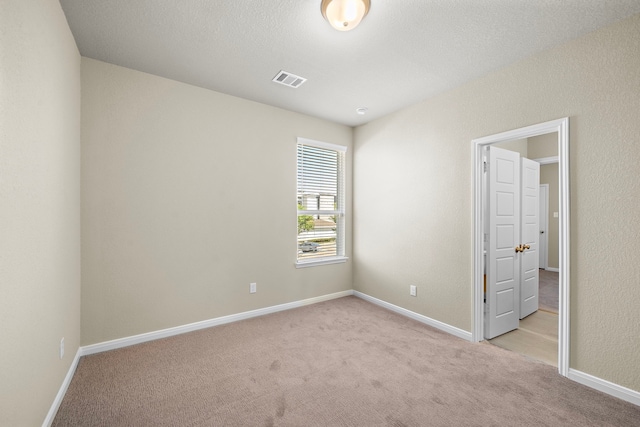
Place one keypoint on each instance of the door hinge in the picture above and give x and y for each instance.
(484, 166)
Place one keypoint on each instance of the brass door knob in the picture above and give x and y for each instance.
(525, 247)
(519, 248)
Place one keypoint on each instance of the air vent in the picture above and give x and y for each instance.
(288, 79)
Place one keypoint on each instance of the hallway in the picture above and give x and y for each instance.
(536, 337)
(537, 334)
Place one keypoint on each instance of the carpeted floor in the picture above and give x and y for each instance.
(548, 291)
(343, 362)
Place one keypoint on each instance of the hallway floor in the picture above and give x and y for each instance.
(548, 291)
(536, 337)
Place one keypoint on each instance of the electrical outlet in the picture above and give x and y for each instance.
(252, 288)
(61, 347)
(413, 291)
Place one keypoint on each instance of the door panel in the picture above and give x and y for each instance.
(530, 234)
(504, 302)
(504, 236)
(503, 265)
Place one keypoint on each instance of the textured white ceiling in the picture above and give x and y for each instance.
(403, 51)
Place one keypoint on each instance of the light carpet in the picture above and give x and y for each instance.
(343, 362)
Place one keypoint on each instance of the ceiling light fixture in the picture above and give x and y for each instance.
(362, 110)
(345, 15)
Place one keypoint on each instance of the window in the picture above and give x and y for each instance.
(320, 200)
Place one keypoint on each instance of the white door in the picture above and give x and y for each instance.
(543, 243)
(529, 236)
(503, 262)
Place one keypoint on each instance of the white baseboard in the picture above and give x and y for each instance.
(150, 336)
(164, 333)
(605, 386)
(415, 316)
(555, 270)
(63, 390)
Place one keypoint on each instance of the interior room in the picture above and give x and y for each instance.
(150, 154)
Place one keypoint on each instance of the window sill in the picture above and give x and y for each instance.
(324, 261)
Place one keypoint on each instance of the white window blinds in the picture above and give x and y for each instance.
(320, 200)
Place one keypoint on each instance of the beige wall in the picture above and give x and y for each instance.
(189, 195)
(39, 207)
(418, 161)
(542, 146)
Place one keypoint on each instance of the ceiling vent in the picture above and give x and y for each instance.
(288, 79)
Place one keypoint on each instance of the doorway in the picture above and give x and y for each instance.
(534, 331)
(537, 334)
(511, 235)
(561, 126)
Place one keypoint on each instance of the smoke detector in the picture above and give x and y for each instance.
(289, 79)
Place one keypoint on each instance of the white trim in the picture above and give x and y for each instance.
(605, 386)
(169, 332)
(164, 333)
(322, 144)
(415, 316)
(53, 410)
(555, 270)
(561, 126)
(547, 160)
(321, 261)
(564, 243)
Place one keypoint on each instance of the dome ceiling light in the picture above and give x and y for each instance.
(345, 15)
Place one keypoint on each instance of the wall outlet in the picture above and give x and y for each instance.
(413, 291)
(61, 347)
(252, 288)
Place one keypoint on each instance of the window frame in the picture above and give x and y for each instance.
(340, 210)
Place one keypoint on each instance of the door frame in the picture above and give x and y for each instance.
(561, 126)
(545, 238)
